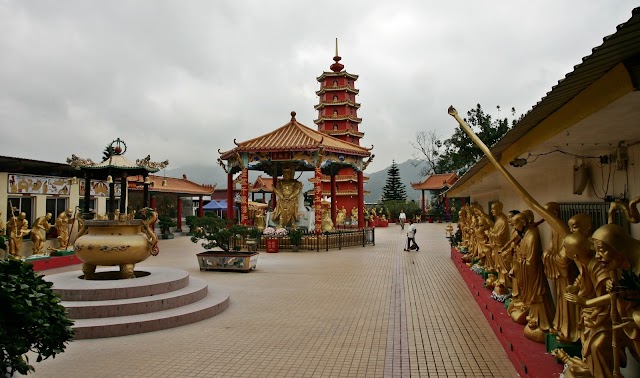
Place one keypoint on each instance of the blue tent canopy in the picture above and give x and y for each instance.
(214, 205)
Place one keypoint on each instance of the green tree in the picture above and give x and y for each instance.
(460, 153)
(394, 189)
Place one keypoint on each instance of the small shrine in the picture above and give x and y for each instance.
(437, 184)
(338, 117)
(120, 240)
(292, 148)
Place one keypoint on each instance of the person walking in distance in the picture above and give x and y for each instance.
(402, 218)
(411, 237)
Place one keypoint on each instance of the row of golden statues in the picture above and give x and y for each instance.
(17, 228)
(596, 275)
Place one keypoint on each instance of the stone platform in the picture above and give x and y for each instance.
(159, 298)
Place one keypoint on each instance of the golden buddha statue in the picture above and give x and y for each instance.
(341, 216)
(260, 220)
(62, 228)
(354, 216)
(327, 223)
(17, 228)
(534, 290)
(562, 271)
(615, 250)
(499, 236)
(39, 233)
(287, 191)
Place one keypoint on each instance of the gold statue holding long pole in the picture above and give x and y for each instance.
(615, 251)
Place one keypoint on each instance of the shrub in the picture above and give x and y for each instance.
(32, 318)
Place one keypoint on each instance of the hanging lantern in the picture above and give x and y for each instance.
(74, 180)
(147, 180)
(164, 182)
(109, 179)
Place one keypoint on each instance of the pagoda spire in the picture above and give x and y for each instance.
(336, 67)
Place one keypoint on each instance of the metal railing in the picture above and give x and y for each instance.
(319, 242)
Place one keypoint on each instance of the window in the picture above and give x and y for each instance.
(55, 206)
(335, 127)
(22, 205)
(116, 205)
(335, 83)
(335, 98)
(92, 204)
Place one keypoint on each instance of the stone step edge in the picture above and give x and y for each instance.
(195, 291)
(64, 285)
(94, 328)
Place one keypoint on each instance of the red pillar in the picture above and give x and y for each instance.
(152, 204)
(334, 198)
(179, 204)
(317, 200)
(274, 182)
(422, 213)
(229, 196)
(244, 197)
(360, 199)
(201, 207)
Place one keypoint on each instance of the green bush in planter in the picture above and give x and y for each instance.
(189, 220)
(165, 223)
(212, 231)
(32, 318)
(295, 236)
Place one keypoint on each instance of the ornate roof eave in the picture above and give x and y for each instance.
(345, 132)
(117, 162)
(307, 140)
(337, 103)
(346, 117)
(342, 88)
(337, 74)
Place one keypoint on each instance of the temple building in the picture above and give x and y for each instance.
(338, 117)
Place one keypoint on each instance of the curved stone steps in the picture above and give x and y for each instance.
(160, 298)
(195, 291)
(211, 305)
(160, 280)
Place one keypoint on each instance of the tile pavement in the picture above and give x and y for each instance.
(357, 312)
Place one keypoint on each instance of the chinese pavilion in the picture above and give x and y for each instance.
(436, 183)
(297, 145)
(338, 117)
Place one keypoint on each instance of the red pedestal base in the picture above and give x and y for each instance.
(529, 358)
(54, 262)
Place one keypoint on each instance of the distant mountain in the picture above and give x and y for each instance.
(213, 174)
(408, 174)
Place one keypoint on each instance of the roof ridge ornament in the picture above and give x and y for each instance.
(151, 165)
(293, 116)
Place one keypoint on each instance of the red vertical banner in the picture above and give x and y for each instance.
(244, 197)
(317, 199)
(360, 200)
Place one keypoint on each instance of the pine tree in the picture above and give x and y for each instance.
(394, 189)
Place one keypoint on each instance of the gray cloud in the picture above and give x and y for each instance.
(178, 80)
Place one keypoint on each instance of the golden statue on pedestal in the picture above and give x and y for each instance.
(499, 236)
(341, 216)
(287, 191)
(17, 228)
(604, 315)
(563, 272)
(39, 234)
(62, 228)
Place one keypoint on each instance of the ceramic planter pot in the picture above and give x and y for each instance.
(220, 260)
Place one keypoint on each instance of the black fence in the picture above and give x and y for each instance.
(317, 242)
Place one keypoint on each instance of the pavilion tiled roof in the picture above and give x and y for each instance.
(174, 185)
(295, 136)
(436, 182)
(262, 184)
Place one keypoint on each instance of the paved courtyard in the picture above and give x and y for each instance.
(357, 312)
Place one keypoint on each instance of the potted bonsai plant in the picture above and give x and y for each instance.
(189, 220)
(222, 251)
(32, 318)
(295, 237)
(165, 223)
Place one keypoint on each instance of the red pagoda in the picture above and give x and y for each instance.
(338, 117)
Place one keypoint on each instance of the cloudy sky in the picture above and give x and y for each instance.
(181, 79)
